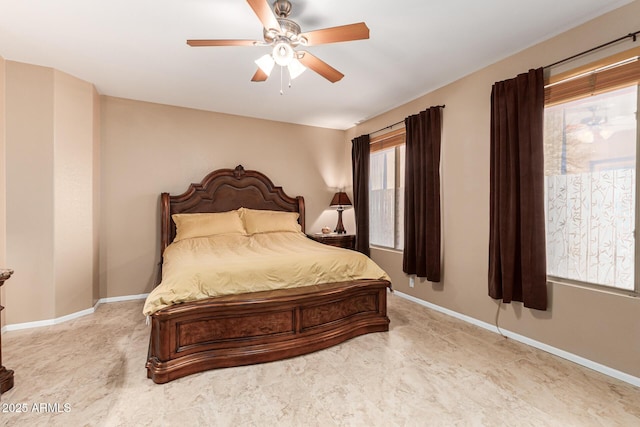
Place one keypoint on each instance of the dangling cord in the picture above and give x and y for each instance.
(281, 92)
(497, 315)
(289, 74)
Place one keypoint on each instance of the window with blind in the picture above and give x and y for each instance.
(386, 190)
(590, 143)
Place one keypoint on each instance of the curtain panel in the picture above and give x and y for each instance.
(517, 253)
(422, 195)
(360, 169)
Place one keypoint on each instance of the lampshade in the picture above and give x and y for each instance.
(340, 200)
(266, 63)
(295, 68)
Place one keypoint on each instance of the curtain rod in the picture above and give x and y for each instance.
(401, 121)
(633, 36)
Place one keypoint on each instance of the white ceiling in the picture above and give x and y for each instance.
(137, 49)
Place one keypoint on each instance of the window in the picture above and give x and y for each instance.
(590, 143)
(386, 190)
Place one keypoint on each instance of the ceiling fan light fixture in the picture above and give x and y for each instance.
(266, 63)
(284, 36)
(282, 53)
(295, 68)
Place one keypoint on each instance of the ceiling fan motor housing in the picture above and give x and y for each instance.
(282, 8)
(288, 30)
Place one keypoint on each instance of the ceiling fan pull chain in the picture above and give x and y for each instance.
(281, 92)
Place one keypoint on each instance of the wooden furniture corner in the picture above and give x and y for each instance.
(346, 241)
(6, 375)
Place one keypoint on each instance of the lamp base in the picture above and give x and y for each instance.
(340, 227)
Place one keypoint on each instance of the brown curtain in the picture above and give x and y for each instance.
(360, 165)
(517, 255)
(422, 195)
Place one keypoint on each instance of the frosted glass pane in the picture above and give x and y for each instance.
(590, 191)
(386, 207)
(381, 217)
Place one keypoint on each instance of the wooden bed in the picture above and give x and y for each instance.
(254, 327)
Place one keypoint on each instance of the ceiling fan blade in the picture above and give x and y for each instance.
(262, 9)
(259, 76)
(197, 43)
(320, 67)
(342, 33)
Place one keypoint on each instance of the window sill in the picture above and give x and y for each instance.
(386, 249)
(592, 287)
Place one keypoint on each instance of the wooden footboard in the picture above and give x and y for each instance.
(262, 326)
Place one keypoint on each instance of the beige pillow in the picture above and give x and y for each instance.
(207, 224)
(260, 221)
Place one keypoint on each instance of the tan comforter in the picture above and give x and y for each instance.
(227, 264)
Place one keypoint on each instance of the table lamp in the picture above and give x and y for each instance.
(340, 201)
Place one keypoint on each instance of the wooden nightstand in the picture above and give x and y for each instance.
(346, 241)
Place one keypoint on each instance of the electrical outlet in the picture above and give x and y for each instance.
(412, 281)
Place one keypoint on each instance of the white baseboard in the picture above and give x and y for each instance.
(57, 320)
(123, 298)
(533, 343)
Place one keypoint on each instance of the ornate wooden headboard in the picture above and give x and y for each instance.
(225, 190)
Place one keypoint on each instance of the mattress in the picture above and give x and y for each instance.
(225, 264)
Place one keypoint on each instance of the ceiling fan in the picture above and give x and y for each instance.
(284, 35)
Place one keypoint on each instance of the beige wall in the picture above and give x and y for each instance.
(73, 194)
(96, 197)
(29, 148)
(3, 189)
(599, 326)
(50, 193)
(150, 148)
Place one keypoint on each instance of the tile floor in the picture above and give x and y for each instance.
(430, 369)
